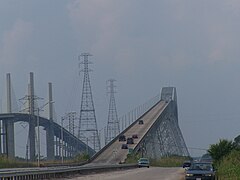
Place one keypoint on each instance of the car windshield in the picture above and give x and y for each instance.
(143, 159)
(201, 166)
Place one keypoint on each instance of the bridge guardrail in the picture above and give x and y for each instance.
(37, 173)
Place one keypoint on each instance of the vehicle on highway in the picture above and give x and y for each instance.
(143, 162)
(134, 136)
(140, 121)
(200, 171)
(186, 164)
(122, 138)
(124, 146)
(130, 141)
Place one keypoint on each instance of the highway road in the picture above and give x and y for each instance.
(114, 154)
(152, 173)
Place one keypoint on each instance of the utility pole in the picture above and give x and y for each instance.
(113, 128)
(87, 130)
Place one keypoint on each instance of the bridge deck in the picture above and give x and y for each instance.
(114, 154)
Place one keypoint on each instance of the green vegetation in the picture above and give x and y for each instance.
(229, 167)
(21, 163)
(171, 161)
(221, 149)
(226, 156)
(132, 158)
(82, 158)
(13, 163)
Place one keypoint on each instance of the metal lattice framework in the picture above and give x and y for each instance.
(158, 136)
(113, 128)
(87, 131)
(165, 137)
(71, 116)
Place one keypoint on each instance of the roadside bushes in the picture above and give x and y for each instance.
(226, 156)
(229, 167)
(13, 163)
(81, 157)
(221, 149)
(170, 161)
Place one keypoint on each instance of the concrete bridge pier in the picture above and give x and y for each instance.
(9, 126)
(31, 134)
(32, 124)
(50, 142)
(10, 146)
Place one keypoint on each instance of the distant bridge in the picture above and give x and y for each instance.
(55, 136)
(60, 142)
(158, 136)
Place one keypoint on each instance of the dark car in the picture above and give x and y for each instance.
(134, 136)
(200, 171)
(122, 138)
(143, 162)
(140, 121)
(130, 141)
(124, 146)
(186, 164)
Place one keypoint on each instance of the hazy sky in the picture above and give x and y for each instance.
(145, 45)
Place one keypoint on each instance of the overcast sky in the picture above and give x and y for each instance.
(145, 45)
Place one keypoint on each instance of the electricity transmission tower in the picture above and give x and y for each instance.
(71, 116)
(87, 130)
(113, 128)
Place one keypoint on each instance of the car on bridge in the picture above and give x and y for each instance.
(130, 141)
(122, 138)
(134, 136)
(124, 146)
(143, 162)
(200, 171)
(140, 121)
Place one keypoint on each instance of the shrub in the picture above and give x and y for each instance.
(171, 161)
(229, 167)
(221, 149)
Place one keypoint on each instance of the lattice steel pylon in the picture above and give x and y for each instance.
(87, 130)
(71, 116)
(113, 128)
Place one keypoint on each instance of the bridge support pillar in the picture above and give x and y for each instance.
(4, 139)
(50, 142)
(10, 139)
(32, 138)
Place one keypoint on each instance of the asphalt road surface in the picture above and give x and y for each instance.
(152, 173)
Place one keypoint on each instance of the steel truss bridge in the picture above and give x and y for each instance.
(158, 136)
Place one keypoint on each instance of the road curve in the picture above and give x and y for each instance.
(152, 173)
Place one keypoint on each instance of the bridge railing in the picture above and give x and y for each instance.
(116, 138)
(128, 118)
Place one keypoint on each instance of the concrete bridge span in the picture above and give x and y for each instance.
(55, 136)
